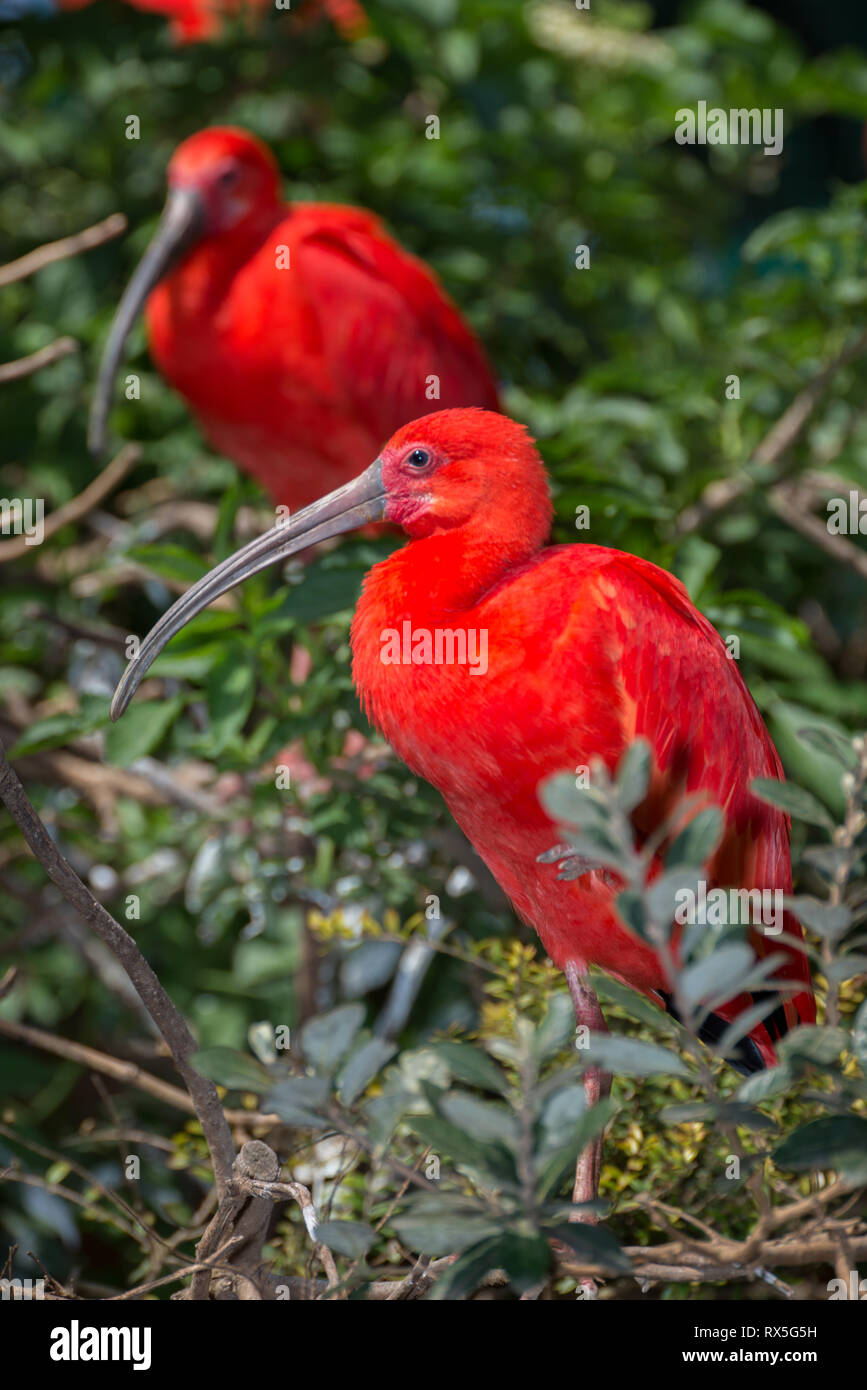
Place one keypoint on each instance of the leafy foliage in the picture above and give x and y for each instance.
(282, 871)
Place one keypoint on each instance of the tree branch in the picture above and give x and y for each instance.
(79, 506)
(35, 361)
(792, 504)
(126, 1072)
(779, 439)
(174, 1030)
(96, 235)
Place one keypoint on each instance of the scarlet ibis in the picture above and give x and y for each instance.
(301, 336)
(585, 648)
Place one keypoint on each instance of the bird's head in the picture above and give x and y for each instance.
(470, 473)
(221, 181)
(228, 176)
(465, 468)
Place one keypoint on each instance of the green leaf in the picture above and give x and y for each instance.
(328, 1037)
(811, 769)
(230, 503)
(298, 1101)
(765, 1085)
(592, 1244)
(834, 1141)
(819, 1044)
(632, 909)
(60, 729)
(562, 1161)
(698, 840)
(485, 1119)
(847, 967)
(169, 562)
(636, 1005)
(525, 1258)
(715, 1111)
(557, 1029)
(233, 1069)
(140, 730)
(562, 1111)
(591, 848)
(633, 774)
(718, 977)
(350, 1238)
(384, 1112)
(322, 593)
(360, 1069)
(629, 1057)
(830, 741)
(795, 801)
(472, 1065)
(488, 1158)
(830, 921)
(571, 805)
(443, 1225)
(665, 895)
(231, 686)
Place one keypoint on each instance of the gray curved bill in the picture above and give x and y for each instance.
(179, 228)
(355, 504)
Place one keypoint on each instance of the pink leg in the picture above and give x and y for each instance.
(597, 1085)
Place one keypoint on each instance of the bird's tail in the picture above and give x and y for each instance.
(756, 1051)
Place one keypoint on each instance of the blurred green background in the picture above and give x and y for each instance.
(556, 131)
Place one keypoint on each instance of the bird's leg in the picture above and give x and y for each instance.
(597, 1085)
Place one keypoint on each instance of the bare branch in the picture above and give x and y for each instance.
(778, 440)
(126, 1072)
(791, 503)
(96, 235)
(35, 361)
(79, 506)
(177, 1035)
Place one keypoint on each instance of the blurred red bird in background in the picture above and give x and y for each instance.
(192, 21)
(301, 335)
(585, 650)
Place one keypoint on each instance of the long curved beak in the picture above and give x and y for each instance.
(355, 504)
(180, 226)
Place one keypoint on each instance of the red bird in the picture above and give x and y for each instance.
(578, 650)
(301, 335)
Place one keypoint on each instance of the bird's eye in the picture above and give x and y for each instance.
(419, 458)
(229, 176)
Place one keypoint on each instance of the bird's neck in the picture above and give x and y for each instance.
(432, 586)
(203, 277)
(435, 585)
(442, 576)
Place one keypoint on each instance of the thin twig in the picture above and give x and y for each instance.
(791, 503)
(79, 506)
(96, 235)
(35, 361)
(778, 440)
(127, 1072)
(172, 1026)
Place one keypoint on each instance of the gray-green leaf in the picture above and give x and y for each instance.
(360, 1069)
(328, 1037)
(795, 801)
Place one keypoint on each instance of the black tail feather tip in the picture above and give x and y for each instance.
(745, 1057)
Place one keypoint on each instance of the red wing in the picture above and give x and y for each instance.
(684, 693)
(389, 328)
